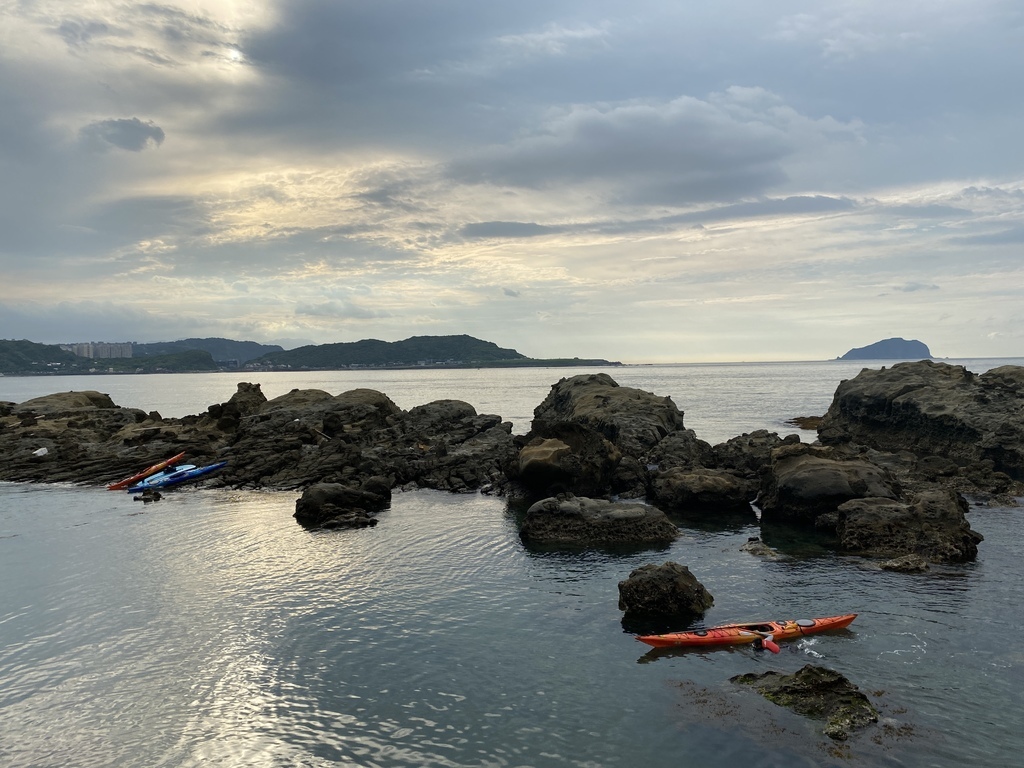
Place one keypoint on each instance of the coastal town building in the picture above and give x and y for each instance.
(99, 350)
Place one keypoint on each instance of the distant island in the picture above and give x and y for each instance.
(24, 357)
(890, 349)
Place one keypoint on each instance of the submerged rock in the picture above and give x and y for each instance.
(819, 693)
(906, 564)
(332, 505)
(568, 519)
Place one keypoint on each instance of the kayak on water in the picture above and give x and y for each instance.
(180, 475)
(154, 481)
(160, 465)
(748, 632)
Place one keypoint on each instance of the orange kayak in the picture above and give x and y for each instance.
(120, 485)
(749, 632)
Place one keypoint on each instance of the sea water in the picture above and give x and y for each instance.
(210, 629)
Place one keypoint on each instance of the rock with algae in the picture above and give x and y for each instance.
(819, 693)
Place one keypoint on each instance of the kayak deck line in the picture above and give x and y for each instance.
(748, 632)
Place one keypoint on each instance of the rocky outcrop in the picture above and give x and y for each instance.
(299, 439)
(819, 693)
(570, 458)
(631, 419)
(701, 491)
(579, 521)
(932, 525)
(667, 590)
(805, 483)
(934, 409)
(332, 505)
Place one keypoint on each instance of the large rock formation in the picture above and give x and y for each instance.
(932, 525)
(934, 408)
(631, 419)
(293, 441)
(806, 482)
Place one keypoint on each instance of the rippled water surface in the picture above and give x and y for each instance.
(210, 629)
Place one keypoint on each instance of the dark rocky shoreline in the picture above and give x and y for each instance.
(899, 451)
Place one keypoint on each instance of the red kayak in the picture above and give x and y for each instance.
(122, 484)
(749, 632)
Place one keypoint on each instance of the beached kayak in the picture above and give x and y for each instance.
(130, 481)
(180, 475)
(749, 632)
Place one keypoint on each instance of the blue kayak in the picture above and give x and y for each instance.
(155, 480)
(179, 475)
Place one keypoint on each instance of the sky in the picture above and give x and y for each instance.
(641, 182)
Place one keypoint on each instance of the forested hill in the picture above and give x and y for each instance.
(28, 357)
(220, 349)
(418, 350)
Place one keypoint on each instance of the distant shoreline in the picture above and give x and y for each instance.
(527, 363)
(530, 363)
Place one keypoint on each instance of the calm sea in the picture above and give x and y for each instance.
(210, 629)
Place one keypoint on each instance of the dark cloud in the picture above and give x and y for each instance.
(485, 229)
(916, 287)
(79, 32)
(131, 134)
(676, 152)
(111, 320)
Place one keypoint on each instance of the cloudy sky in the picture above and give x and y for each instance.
(649, 181)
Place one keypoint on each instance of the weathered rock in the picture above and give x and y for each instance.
(346, 518)
(666, 590)
(680, 449)
(701, 490)
(544, 465)
(247, 400)
(576, 520)
(65, 403)
(325, 502)
(633, 420)
(934, 409)
(478, 462)
(571, 458)
(758, 548)
(805, 482)
(906, 564)
(748, 454)
(819, 693)
(933, 525)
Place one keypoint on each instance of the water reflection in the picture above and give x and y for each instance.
(213, 630)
